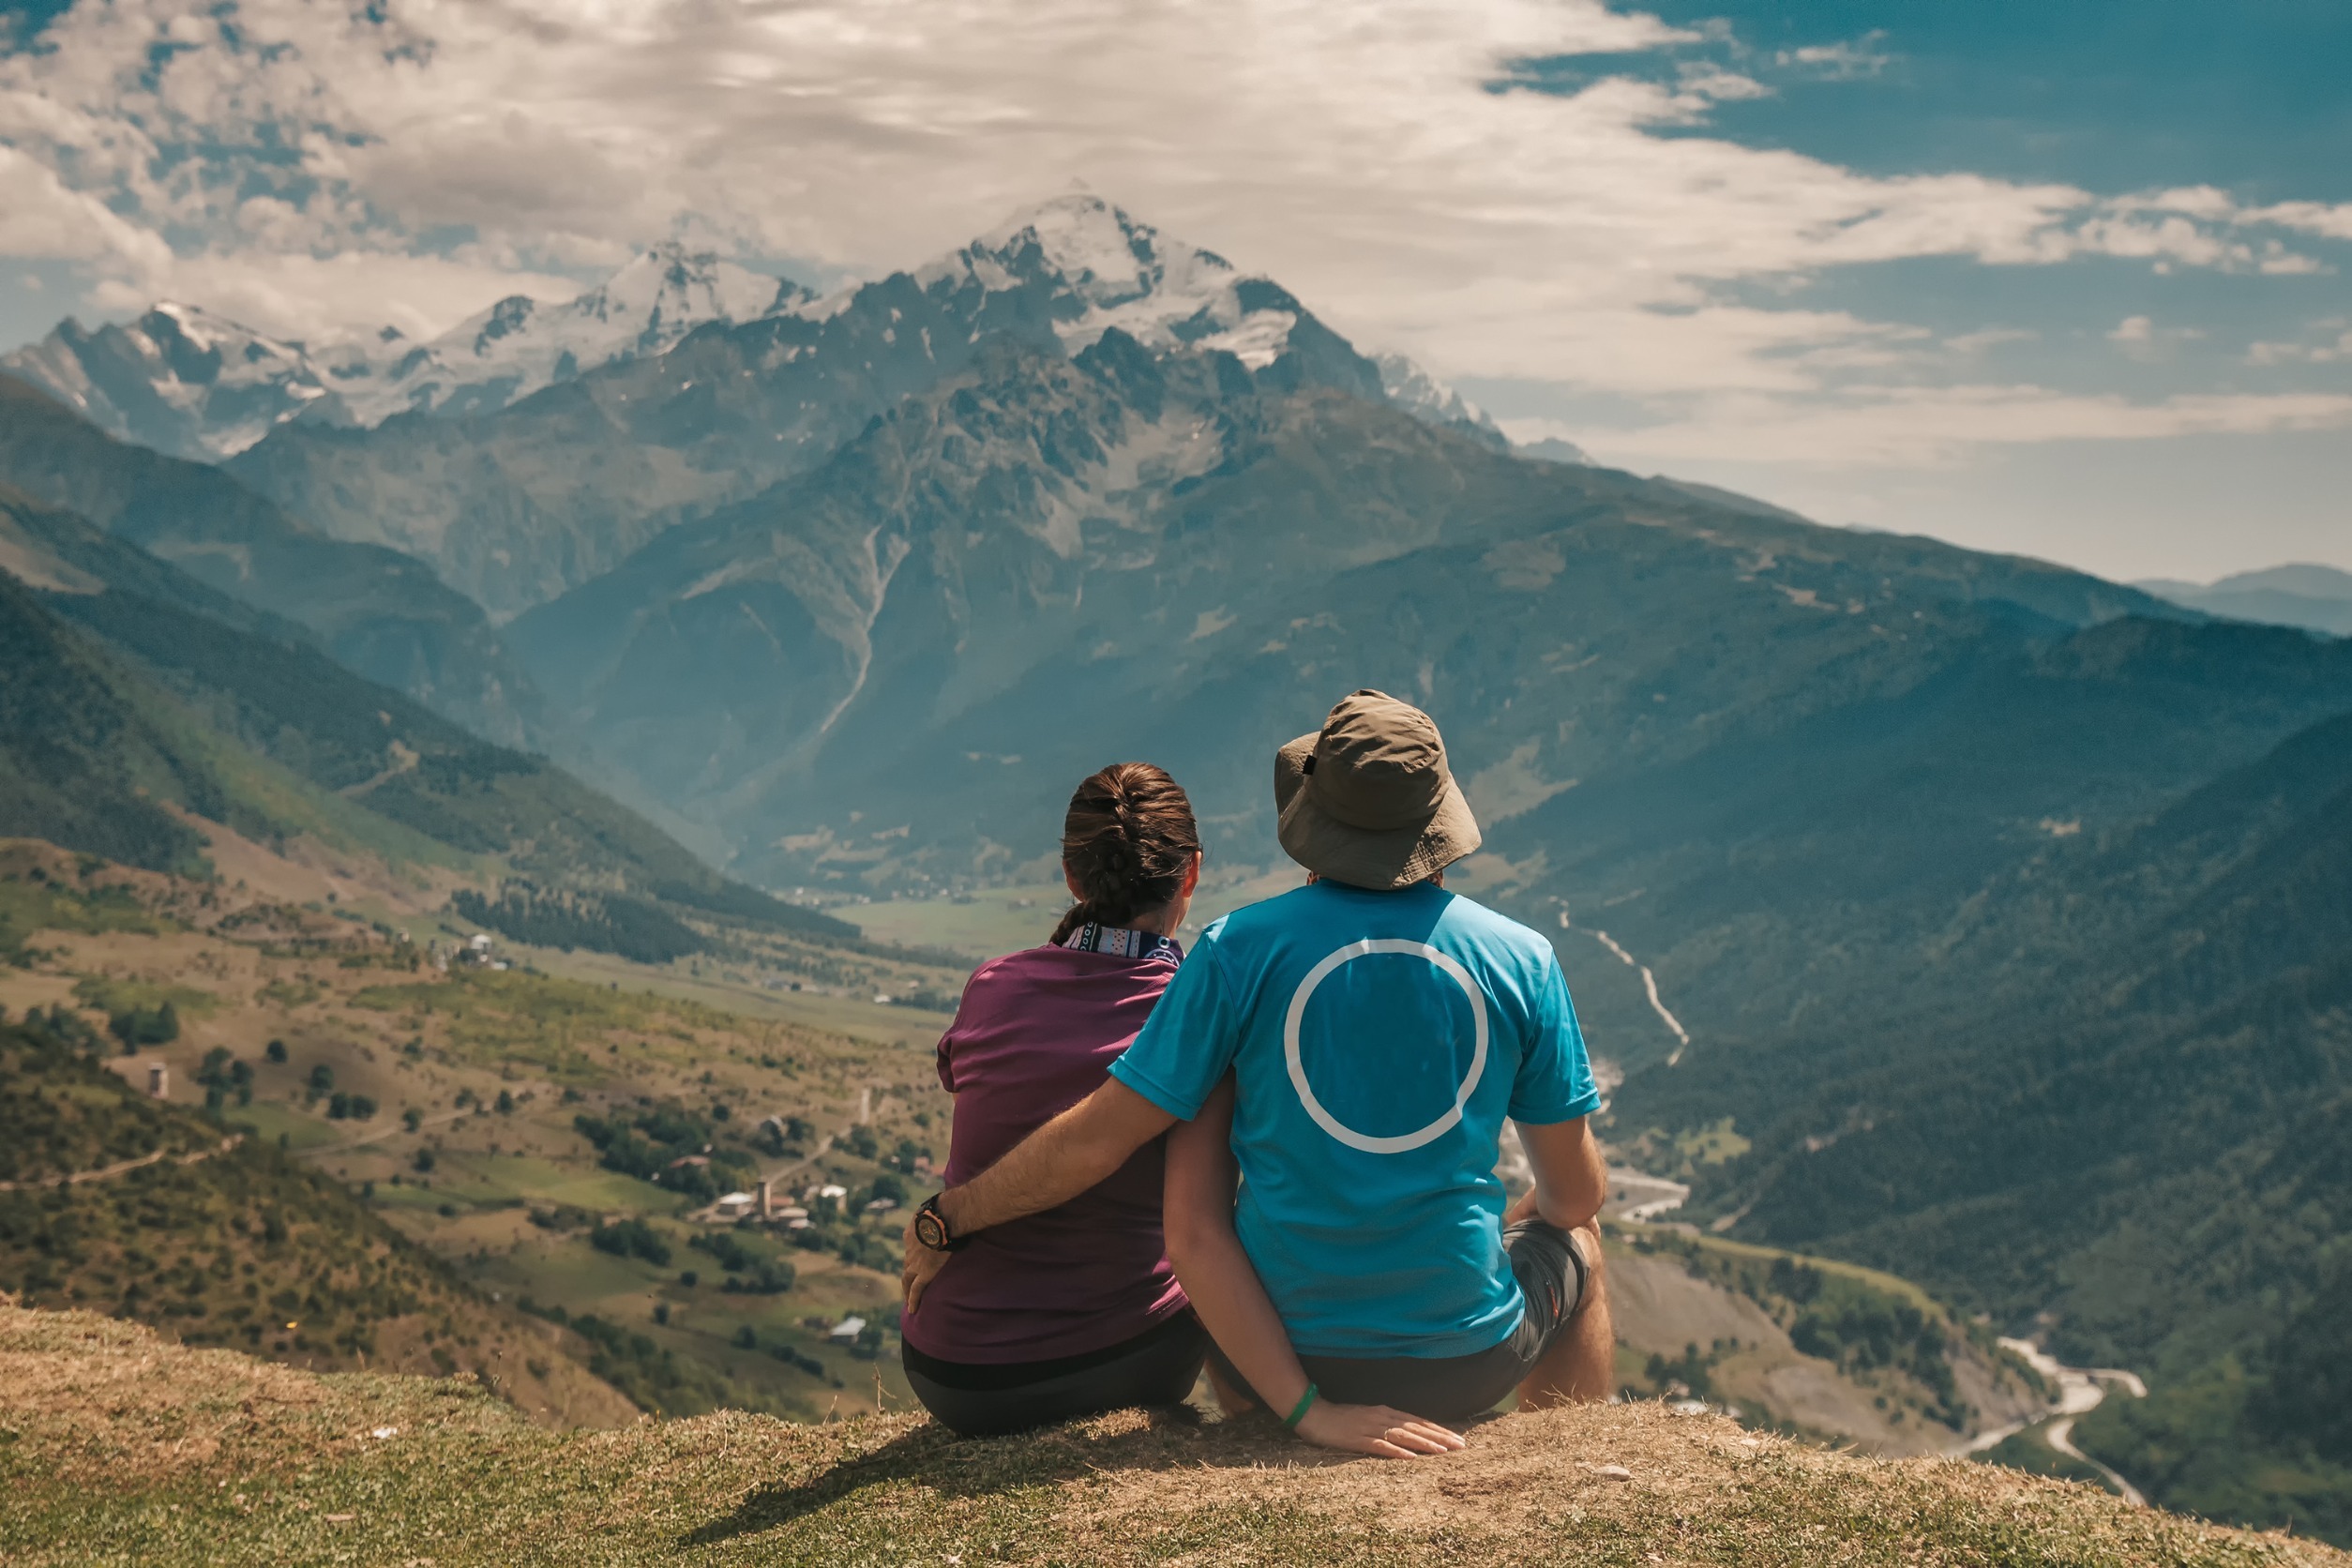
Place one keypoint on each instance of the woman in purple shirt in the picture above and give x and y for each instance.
(1074, 1310)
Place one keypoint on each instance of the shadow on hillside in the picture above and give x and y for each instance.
(980, 1467)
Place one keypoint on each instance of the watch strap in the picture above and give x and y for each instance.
(948, 1241)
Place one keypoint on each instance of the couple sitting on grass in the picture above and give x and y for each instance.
(1347, 1050)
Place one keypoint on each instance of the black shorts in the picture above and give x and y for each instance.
(982, 1399)
(1551, 1274)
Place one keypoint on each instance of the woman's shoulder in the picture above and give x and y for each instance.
(1065, 971)
(1026, 960)
(1012, 971)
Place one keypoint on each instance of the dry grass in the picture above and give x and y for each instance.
(118, 1447)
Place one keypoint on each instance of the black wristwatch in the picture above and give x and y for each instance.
(930, 1228)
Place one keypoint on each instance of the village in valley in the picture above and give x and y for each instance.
(702, 1176)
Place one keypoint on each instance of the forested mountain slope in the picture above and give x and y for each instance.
(86, 758)
(377, 611)
(2131, 1115)
(129, 684)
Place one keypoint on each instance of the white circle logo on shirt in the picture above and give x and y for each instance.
(1330, 1124)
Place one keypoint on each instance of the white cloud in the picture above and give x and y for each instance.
(1356, 154)
(314, 298)
(2312, 218)
(2324, 342)
(1972, 345)
(2140, 339)
(1838, 62)
(1916, 427)
(42, 220)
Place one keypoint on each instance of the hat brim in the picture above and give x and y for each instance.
(1361, 857)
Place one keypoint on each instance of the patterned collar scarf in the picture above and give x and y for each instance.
(1120, 943)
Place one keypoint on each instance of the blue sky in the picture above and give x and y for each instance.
(2248, 94)
(2249, 98)
(2062, 278)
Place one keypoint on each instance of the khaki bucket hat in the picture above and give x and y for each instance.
(1369, 799)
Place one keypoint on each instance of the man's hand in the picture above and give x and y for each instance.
(920, 1267)
(1377, 1430)
(1068, 1155)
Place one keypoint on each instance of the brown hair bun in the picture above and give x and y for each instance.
(1127, 840)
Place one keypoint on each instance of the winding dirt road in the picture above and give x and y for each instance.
(2081, 1391)
(124, 1167)
(1649, 984)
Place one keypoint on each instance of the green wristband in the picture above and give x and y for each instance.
(1298, 1412)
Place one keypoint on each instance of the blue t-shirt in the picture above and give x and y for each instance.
(1378, 1041)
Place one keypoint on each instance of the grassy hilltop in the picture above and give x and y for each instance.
(120, 1447)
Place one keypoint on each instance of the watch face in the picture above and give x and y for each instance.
(929, 1231)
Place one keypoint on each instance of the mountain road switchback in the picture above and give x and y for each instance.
(1649, 984)
(2081, 1391)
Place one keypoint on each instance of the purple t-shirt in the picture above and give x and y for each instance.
(1036, 1032)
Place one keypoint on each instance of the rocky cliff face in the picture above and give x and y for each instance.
(519, 506)
(178, 379)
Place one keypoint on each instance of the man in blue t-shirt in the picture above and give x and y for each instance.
(1350, 1050)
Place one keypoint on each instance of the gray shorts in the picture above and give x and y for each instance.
(1551, 1274)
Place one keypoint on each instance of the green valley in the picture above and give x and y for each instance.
(541, 823)
(522, 1142)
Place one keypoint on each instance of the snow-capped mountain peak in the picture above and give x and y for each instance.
(178, 378)
(1108, 269)
(1415, 389)
(666, 283)
(186, 382)
(1105, 255)
(521, 344)
(193, 384)
(1105, 268)
(206, 333)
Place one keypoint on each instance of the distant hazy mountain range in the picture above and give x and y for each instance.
(194, 384)
(133, 697)
(382, 614)
(2316, 597)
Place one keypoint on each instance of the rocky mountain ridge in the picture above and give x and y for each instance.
(516, 347)
(518, 506)
(193, 384)
(1046, 554)
(176, 378)
(2318, 599)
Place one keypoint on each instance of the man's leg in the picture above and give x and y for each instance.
(1579, 1366)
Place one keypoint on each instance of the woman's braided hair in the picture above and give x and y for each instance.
(1127, 840)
